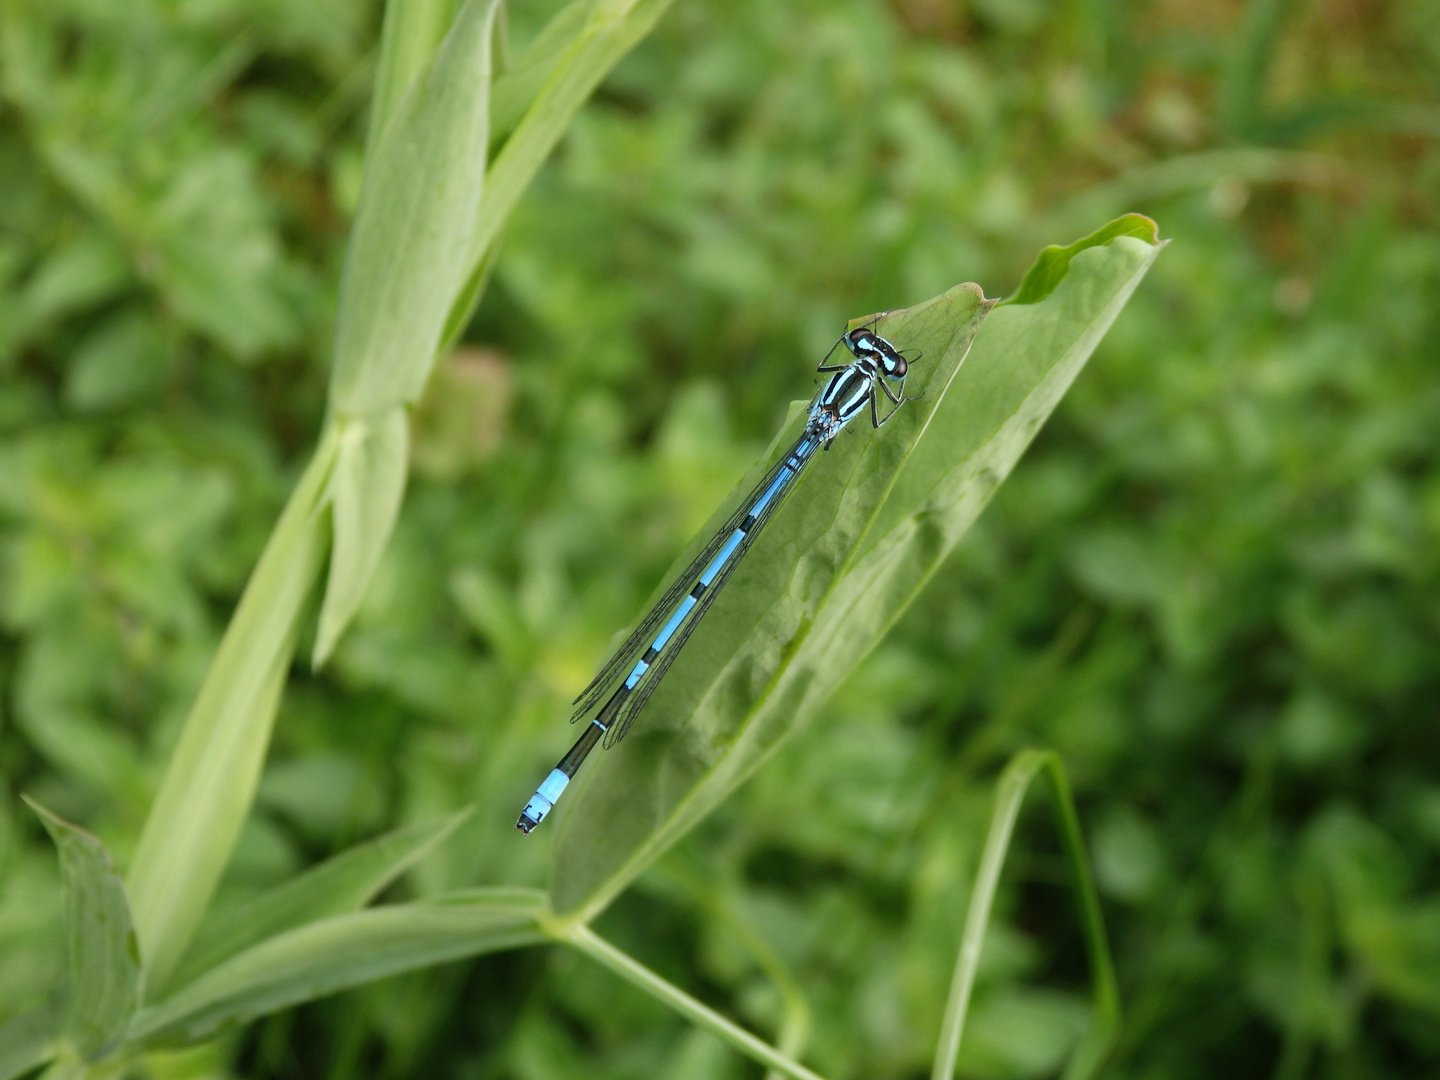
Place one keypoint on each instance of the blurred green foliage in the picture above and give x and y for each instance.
(1212, 584)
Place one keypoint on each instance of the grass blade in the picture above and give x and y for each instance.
(334, 954)
(1242, 84)
(211, 779)
(344, 883)
(860, 537)
(1010, 794)
(104, 969)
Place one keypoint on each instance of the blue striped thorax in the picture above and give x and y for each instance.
(868, 345)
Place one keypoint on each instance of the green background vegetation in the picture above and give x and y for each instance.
(1211, 584)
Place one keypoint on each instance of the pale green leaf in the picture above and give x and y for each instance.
(611, 29)
(517, 88)
(343, 883)
(409, 248)
(30, 1040)
(213, 773)
(859, 538)
(344, 951)
(104, 956)
(365, 489)
(408, 38)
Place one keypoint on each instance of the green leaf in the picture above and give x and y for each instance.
(409, 248)
(104, 968)
(859, 538)
(347, 950)
(344, 883)
(611, 29)
(30, 1039)
(364, 496)
(411, 32)
(86, 271)
(1054, 262)
(211, 779)
(741, 678)
(517, 88)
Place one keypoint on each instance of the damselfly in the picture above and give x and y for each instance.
(663, 632)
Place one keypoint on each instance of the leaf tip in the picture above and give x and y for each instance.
(51, 820)
(325, 639)
(1053, 262)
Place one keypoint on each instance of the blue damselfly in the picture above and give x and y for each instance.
(663, 632)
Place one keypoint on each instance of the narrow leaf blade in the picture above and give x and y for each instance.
(104, 952)
(611, 29)
(1010, 793)
(514, 91)
(344, 883)
(341, 952)
(211, 780)
(366, 487)
(411, 32)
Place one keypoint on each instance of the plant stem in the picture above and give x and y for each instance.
(1014, 783)
(600, 950)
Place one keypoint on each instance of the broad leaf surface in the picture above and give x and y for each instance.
(839, 564)
(104, 955)
(708, 723)
(334, 954)
(343, 883)
(409, 247)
